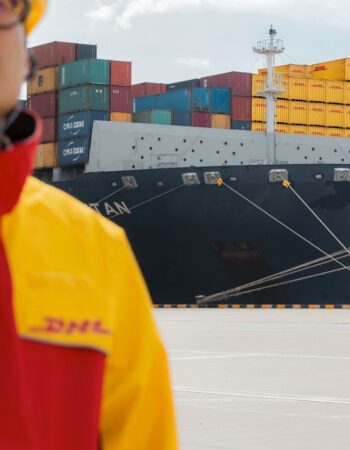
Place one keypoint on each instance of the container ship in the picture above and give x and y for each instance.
(219, 182)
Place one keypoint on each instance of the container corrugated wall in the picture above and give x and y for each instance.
(144, 103)
(346, 116)
(201, 119)
(338, 69)
(241, 109)
(73, 152)
(258, 126)
(157, 116)
(334, 92)
(316, 131)
(290, 70)
(54, 54)
(220, 100)
(220, 121)
(178, 100)
(49, 130)
(145, 89)
(81, 98)
(87, 71)
(240, 83)
(46, 105)
(317, 90)
(86, 51)
(298, 113)
(259, 84)
(181, 118)
(78, 124)
(258, 110)
(200, 99)
(317, 114)
(120, 117)
(298, 89)
(120, 73)
(335, 132)
(46, 156)
(282, 111)
(45, 80)
(298, 129)
(241, 125)
(120, 99)
(346, 93)
(282, 128)
(335, 116)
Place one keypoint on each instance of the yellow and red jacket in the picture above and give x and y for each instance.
(82, 364)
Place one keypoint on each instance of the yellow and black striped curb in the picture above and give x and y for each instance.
(248, 306)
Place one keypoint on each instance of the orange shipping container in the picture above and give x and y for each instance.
(221, 121)
(298, 89)
(298, 112)
(338, 69)
(334, 92)
(258, 126)
(282, 111)
(335, 116)
(298, 129)
(335, 132)
(120, 117)
(316, 90)
(46, 156)
(45, 80)
(317, 131)
(291, 70)
(317, 114)
(258, 110)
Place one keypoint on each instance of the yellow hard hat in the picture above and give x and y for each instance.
(37, 10)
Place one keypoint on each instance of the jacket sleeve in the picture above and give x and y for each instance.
(137, 408)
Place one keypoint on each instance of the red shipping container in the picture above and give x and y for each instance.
(49, 130)
(144, 89)
(120, 99)
(201, 119)
(241, 108)
(120, 73)
(240, 83)
(54, 54)
(46, 105)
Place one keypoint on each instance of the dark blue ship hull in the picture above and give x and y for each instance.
(199, 240)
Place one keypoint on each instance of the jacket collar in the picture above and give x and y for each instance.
(17, 161)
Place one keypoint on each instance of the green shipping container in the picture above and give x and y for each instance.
(156, 116)
(86, 71)
(84, 98)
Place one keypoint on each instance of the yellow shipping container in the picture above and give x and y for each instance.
(258, 126)
(317, 114)
(317, 131)
(316, 90)
(46, 156)
(298, 112)
(298, 129)
(282, 111)
(258, 110)
(282, 128)
(298, 89)
(334, 92)
(338, 69)
(346, 93)
(335, 116)
(259, 83)
(335, 132)
(290, 70)
(346, 116)
(346, 132)
(45, 80)
(220, 121)
(120, 117)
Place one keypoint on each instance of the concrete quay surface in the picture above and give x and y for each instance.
(260, 379)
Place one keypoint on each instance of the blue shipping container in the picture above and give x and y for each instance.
(177, 101)
(78, 124)
(181, 118)
(220, 100)
(142, 104)
(86, 51)
(201, 99)
(73, 152)
(241, 125)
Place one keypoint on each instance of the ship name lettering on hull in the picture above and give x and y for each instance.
(111, 209)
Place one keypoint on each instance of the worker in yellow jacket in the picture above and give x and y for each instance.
(82, 364)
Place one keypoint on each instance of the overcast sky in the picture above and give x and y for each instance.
(169, 40)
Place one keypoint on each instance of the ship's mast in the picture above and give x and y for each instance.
(270, 48)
